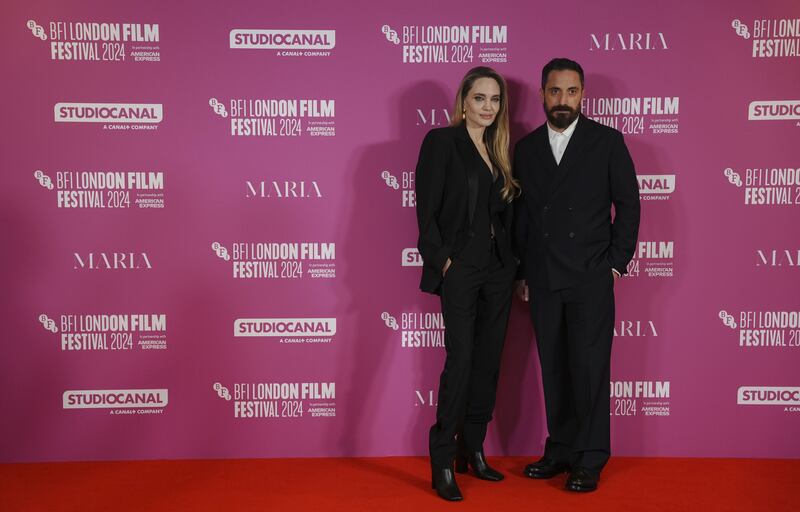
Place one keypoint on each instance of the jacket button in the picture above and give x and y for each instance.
(570, 208)
(547, 235)
(571, 234)
(546, 208)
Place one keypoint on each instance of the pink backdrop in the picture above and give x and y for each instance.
(714, 276)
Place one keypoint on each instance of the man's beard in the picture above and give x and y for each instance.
(561, 116)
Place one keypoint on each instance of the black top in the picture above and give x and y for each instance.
(490, 205)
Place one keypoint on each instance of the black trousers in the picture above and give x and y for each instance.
(574, 328)
(475, 305)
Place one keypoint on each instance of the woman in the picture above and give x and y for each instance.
(464, 191)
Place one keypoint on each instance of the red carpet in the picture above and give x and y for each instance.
(398, 483)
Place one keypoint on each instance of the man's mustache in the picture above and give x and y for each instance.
(562, 108)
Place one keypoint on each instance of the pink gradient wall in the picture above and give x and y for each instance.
(705, 361)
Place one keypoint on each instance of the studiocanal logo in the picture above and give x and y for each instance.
(121, 401)
(114, 116)
(788, 397)
(656, 187)
(653, 259)
(105, 189)
(279, 400)
(403, 182)
(109, 332)
(283, 189)
(410, 257)
(93, 41)
(771, 38)
(264, 117)
(279, 260)
(444, 44)
(629, 42)
(761, 329)
(768, 110)
(776, 186)
(287, 43)
(417, 330)
(640, 398)
(635, 115)
(287, 330)
(111, 261)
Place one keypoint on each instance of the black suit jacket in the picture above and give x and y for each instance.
(564, 234)
(446, 181)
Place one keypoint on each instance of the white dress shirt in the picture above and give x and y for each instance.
(559, 140)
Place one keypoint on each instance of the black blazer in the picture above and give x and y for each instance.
(563, 231)
(446, 181)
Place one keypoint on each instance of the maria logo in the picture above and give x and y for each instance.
(433, 117)
(631, 41)
(112, 261)
(287, 189)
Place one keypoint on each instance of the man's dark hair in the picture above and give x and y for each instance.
(561, 64)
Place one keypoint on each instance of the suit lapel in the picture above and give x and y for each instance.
(468, 152)
(544, 177)
(570, 156)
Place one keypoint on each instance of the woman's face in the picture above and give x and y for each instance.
(482, 103)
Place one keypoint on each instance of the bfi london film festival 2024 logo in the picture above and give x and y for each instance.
(113, 116)
(635, 115)
(279, 260)
(446, 44)
(102, 42)
(775, 186)
(279, 400)
(264, 117)
(417, 330)
(647, 398)
(285, 42)
(764, 330)
(770, 38)
(108, 332)
(121, 402)
(105, 189)
(404, 187)
(288, 331)
(652, 259)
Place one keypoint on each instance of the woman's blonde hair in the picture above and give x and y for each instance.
(496, 135)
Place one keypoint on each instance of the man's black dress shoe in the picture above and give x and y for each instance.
(582, 480)
(444, 481)
(545, 468)
(479, 466)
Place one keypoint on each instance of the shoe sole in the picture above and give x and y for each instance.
(575, 488)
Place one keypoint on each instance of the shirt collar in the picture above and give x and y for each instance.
(566, 133)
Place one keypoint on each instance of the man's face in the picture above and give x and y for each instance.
(561, 97)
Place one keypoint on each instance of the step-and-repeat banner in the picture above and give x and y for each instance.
(208, 240)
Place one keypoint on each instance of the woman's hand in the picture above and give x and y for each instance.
(446, 266)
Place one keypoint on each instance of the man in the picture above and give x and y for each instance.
(572, 170)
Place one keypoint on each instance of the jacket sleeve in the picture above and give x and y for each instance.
(625, 197)
(429, 186)
(520, 230)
